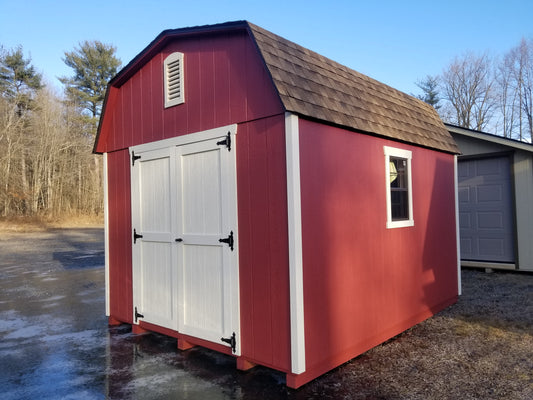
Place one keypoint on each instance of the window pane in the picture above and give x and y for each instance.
(399, 189)
(398, 175)
(399, 204)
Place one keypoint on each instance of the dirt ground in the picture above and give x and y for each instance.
(55, 342)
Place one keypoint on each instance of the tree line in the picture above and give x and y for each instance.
(484, 93)
(46, 138)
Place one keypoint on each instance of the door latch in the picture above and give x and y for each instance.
(228, 240)
(232, 341)
(136, 236)
(137, 315)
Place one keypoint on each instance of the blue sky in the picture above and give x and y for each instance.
(395, 42)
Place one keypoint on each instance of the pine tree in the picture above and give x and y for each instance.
(94, 64)
(430, 88)
(18, 79)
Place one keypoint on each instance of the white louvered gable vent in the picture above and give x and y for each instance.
(174, 84)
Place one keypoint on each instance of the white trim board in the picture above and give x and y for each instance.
(457, 227)
(106, 236)
(292, 144)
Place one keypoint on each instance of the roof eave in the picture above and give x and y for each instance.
(162, 39)
(489, 137)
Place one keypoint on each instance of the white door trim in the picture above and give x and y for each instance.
(292, 143)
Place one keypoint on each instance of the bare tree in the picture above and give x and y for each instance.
(515, 77)
(94, 63)
(507, 98)
(468, 86)
(19, 83)
(45, 147)
(11, 149)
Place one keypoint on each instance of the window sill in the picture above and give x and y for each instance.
(400, 224)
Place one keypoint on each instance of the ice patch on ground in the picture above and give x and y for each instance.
(50, 305)
(16, 327)
(9, 351)
(54, 298)
(83, 338)
(25, 333)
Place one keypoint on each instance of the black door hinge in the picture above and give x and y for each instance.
(226, 142)
(133, 158)
(136, 236)
(231, 341)
(137, 315)
(228, 240)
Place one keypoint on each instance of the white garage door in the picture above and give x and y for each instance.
(486, 212)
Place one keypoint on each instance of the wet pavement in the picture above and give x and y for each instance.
(55, 342)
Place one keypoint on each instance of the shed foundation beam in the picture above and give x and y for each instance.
(137, 330)
(184, 345)
(111, 321)
(244, 365)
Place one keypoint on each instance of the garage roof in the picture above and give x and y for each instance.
(489, 137)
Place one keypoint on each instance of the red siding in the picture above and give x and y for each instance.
(225, 83)
(364, 283)
(119, 206)
(264, 276)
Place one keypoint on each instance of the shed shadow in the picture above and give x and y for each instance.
(440, 272)
(79, 250)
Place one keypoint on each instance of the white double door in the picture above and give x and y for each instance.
(183, 203)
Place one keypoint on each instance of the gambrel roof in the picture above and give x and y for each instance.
(318, 88)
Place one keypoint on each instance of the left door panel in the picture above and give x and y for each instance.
(154, 249)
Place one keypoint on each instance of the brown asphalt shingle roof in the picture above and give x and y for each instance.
(314, 86)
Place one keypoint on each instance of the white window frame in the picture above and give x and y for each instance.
(171, 58)
(406, 154)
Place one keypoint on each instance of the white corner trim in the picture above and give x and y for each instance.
(292, 144)
(457, 227)
(106, 237)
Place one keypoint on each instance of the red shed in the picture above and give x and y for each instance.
(266, 202)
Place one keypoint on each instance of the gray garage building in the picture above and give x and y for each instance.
(495, 179)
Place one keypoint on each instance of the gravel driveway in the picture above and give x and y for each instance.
(55, 343)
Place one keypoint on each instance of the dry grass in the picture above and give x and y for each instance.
(43, 223)
(479, 348)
